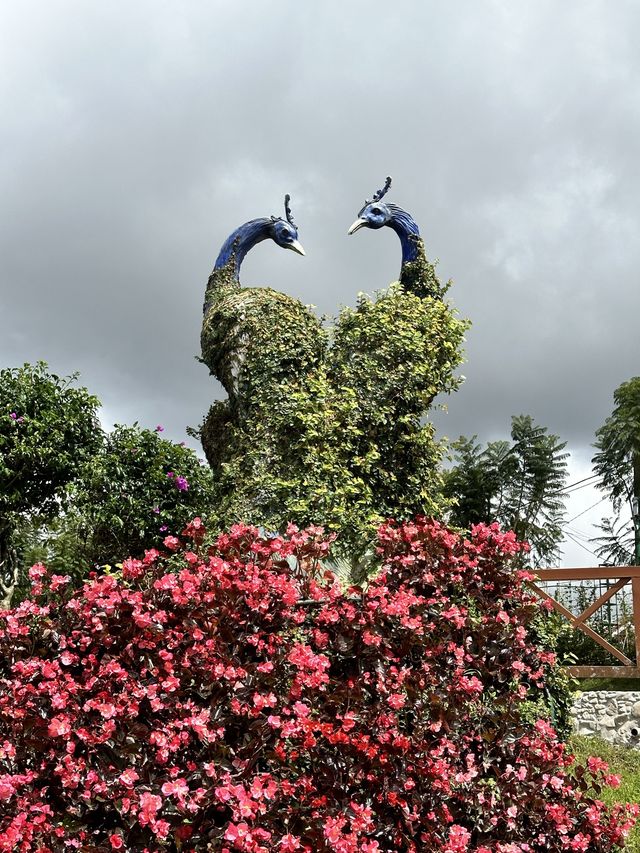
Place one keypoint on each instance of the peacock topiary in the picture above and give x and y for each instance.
(328, 425)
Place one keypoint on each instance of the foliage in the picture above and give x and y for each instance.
(583, 649)
(48, 429)
(232, 698)
(617, 464)
(618, 442)
(136, 488)
(393, 356)
(623, 762)
(518, 484)
(557, 695)
(327, 425)
(615, 545)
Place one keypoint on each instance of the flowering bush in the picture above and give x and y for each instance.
(233, 698)
(137, 488)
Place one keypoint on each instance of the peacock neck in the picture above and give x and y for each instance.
(407, 230)
(240, 242)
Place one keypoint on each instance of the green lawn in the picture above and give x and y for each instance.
(608, 684)
(624, 763)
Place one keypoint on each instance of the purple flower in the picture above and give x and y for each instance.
(156, 509)
(13, 416)
(182, 484)
(159, 428)
(170, 474)
(163, 528)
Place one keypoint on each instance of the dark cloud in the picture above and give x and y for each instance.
(135, 139)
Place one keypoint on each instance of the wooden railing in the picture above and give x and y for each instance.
(622, 575)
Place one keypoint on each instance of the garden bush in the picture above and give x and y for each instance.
(233, 698)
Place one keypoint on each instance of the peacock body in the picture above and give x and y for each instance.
(265, 348)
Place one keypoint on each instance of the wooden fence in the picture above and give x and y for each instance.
(622, 575)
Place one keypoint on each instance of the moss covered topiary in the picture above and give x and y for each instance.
(328, 425)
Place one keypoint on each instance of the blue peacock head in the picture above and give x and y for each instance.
(374, 213)
(284, 231)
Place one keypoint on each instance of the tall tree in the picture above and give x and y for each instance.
(48, 429)
(617, 464)
(517, 483)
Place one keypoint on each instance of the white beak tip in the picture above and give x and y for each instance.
(296, 247)
(359, 223)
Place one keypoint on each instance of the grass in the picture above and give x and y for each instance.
(623, 762)
(587, 684)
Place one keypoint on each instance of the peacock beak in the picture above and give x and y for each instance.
(296, 247)
(359, 223)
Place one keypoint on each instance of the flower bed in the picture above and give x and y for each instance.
(233, 697)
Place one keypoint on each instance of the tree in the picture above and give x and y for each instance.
(135, 490)
(48, 430)
(617, 464)
(518, 484)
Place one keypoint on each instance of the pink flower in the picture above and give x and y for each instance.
(595, 764)
(116, 842)
(171, 542)
(59, 727)
(58, 581)
(37, 571)
(149, 806)
(7, 788)
(458, 840)
(236, 832)
(289, 843)
(129, 777)
(177, 788)
(182, 484)
(132, 569)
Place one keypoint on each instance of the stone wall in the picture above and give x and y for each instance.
(612, 715)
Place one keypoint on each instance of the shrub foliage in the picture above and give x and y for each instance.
(328, 425)
(233, 698)
(48, 430)
(135, 489)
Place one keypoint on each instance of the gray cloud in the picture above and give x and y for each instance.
(134, 139)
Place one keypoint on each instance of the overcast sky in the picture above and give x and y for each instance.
(136, 136)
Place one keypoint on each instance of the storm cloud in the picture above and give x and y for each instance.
(135, 137)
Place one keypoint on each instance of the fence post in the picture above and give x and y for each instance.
(635, 598)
